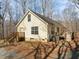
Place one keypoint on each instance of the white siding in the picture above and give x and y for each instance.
(35, 21)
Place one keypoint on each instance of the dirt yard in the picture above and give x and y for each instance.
(40, 50)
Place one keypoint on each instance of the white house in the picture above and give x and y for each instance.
(34, 26)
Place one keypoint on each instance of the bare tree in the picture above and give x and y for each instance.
(7, 14)
(76, 2)
(4, 9)
(70, 18)
(1, 23)
(23, 5)
(43, 6)
(47, 8)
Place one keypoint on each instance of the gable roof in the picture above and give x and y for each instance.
(46, 19)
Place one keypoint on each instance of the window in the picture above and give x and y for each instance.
(34, 30)
(29, 17)
(58, 29)
(52, 30)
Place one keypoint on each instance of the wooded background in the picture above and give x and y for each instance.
(12, 10)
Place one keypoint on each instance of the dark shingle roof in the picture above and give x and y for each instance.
(48, 20)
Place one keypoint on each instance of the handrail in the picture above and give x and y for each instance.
(11, 36)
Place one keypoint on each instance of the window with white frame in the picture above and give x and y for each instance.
(34, 30)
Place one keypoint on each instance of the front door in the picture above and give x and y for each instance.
(21, 36)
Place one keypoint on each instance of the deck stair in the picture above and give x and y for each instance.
(12, 37)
